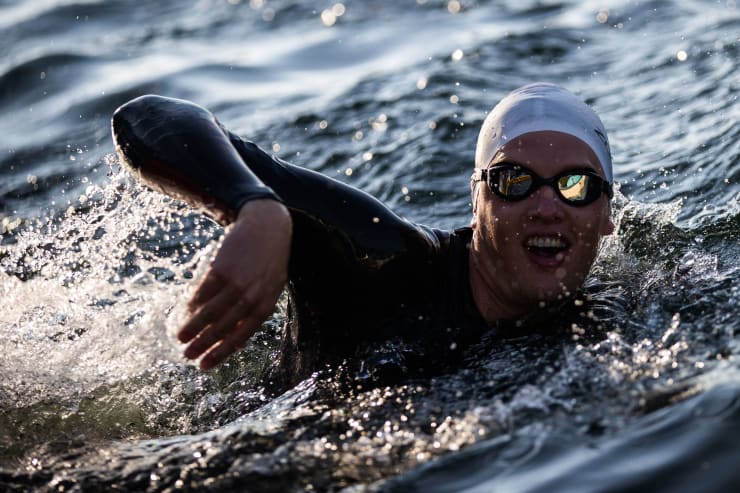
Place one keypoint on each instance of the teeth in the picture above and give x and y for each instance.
(546, 242)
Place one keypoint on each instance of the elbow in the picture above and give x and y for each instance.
(132, 123)
(151, 125)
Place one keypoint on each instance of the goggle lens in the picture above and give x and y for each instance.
(511, 182)
(575, 187)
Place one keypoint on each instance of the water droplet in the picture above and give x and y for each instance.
(338, 9)
(329, 16)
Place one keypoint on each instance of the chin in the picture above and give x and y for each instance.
(554, 291)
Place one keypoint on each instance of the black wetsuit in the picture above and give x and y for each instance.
(358, 273)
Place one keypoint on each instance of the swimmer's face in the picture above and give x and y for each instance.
(538, 249)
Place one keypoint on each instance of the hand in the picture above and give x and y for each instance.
(242, 285)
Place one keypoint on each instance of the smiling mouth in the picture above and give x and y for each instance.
(547, 246)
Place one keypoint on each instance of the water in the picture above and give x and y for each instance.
(387, 96)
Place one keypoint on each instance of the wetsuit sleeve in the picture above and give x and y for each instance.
(347, 246)
(370, 230)
(179, 148)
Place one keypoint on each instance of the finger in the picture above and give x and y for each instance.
(234, 342)
(208, 288)
(208, 313)
(217, 330)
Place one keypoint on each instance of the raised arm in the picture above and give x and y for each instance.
(348, 254)
(180, 149)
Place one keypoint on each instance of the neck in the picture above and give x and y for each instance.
(486, 286)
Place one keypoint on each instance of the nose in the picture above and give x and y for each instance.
(546, 204)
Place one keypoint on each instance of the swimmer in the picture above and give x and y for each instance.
(355, 271)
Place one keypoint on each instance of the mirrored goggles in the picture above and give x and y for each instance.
(514, 182)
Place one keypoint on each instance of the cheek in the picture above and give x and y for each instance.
(498, 229)
(583, 255)
(586, 233)
(589, 230)
(505, 215)
(500, 223)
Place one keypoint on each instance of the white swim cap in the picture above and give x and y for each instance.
(542, 106)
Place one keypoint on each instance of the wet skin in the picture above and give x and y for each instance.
(539, 249)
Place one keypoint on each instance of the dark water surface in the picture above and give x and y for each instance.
(387, 96)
